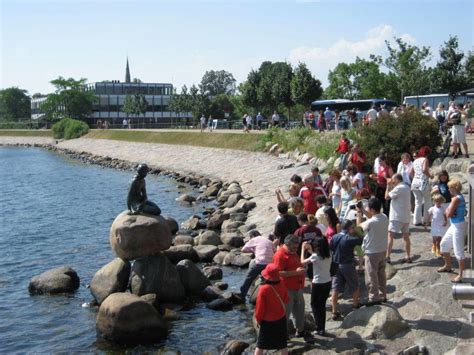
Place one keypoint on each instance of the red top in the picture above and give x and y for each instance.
(330, 232)
(343, 146)
(289, 262)
(382, 176)
(358, 159)
(268, 306)
(309, 198)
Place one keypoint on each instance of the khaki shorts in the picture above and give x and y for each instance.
(399, 227)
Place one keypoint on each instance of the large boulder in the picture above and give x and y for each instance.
(174, 226)
(213, 189)
(233, 199)
(390, 271)
(213, 272)
(220, 304)
(245, 205)
(242, 259)
(206, 252)
(209, 238)
(219, 258)
(216, 220)
(183, 239)
(211, 293)
(111, 278)
(232, 239)
(126, 318)
(376, 322)
(156, 274)
(181, 252)
(134, 236)
(59, 280)
(231, 226)
(194, 223)
(192, 278)
(235, 347)
(186, 198)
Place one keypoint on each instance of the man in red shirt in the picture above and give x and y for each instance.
(343, 149)
(309, 192)
(292, 273)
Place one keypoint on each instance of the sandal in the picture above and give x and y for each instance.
(444, 269)
(336, 316)
(457, 280)
(356, 306)
(407, 260)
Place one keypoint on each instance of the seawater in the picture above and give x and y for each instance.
(55, 211)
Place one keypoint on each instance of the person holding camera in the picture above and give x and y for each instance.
(375, 247)
(399, 216)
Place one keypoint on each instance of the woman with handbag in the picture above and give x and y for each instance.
(270, 313)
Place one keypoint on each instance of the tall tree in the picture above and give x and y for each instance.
(361, 80)
(135, 105)
(304, 87)
(15, 104)
(448, 74)
(282, 74)
(249, 91)
(69, 99)
(469, 70)
(408, 63)
(216, 82)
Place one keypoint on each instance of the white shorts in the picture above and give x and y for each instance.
(454, 238)
(459, 134)
(438, 231)
(399, 227)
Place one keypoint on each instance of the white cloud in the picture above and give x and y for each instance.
(320, 59)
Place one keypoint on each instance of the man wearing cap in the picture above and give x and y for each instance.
(293, 274)
(263, 249)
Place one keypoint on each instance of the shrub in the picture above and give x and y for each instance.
(68, 128)
(406, 133)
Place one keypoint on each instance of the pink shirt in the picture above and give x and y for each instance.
(262, 247)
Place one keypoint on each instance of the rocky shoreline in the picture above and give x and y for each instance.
(435, 323)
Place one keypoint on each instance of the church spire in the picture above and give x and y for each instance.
(127, 73)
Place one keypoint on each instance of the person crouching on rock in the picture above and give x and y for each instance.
(270, 312)
(263, 249)
(342, 245)
(137, 200)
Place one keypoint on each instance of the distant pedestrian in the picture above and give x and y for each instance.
(270, 312)
(209, 123)
(343, 149)
(337, 115)
(203, 123)
(328, 116)
(321, 121)
(124, 123)
(275, 119)
(420, 186)
(259, 119)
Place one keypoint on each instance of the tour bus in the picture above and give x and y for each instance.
(361, 106)
(434, 99)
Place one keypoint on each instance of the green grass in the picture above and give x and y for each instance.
(238, 141)
(26, 133)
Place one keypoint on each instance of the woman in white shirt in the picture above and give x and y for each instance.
(321, 283)
(358, 179)
(404, 168)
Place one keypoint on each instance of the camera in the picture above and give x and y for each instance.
(359, 204)
(352, 207)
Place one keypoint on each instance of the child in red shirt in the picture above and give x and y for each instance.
(270, 312)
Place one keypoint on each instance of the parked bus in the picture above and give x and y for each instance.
(434, 99)
(361, 107)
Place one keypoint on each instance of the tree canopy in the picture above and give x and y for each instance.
(15, 104)
(217, 82)
(69, 99)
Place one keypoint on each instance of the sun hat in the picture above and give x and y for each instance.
(271, 273)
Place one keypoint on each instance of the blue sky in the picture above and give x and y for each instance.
(177, 41)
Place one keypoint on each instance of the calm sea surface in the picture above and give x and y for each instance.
(55, 211)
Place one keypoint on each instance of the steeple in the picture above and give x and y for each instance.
(127, 73)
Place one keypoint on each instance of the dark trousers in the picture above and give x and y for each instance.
(252, 274)
(319, 296)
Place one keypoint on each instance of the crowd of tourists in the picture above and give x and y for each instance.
(332, 230)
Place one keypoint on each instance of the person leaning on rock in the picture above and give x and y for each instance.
(263, 248)
(137, 200)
